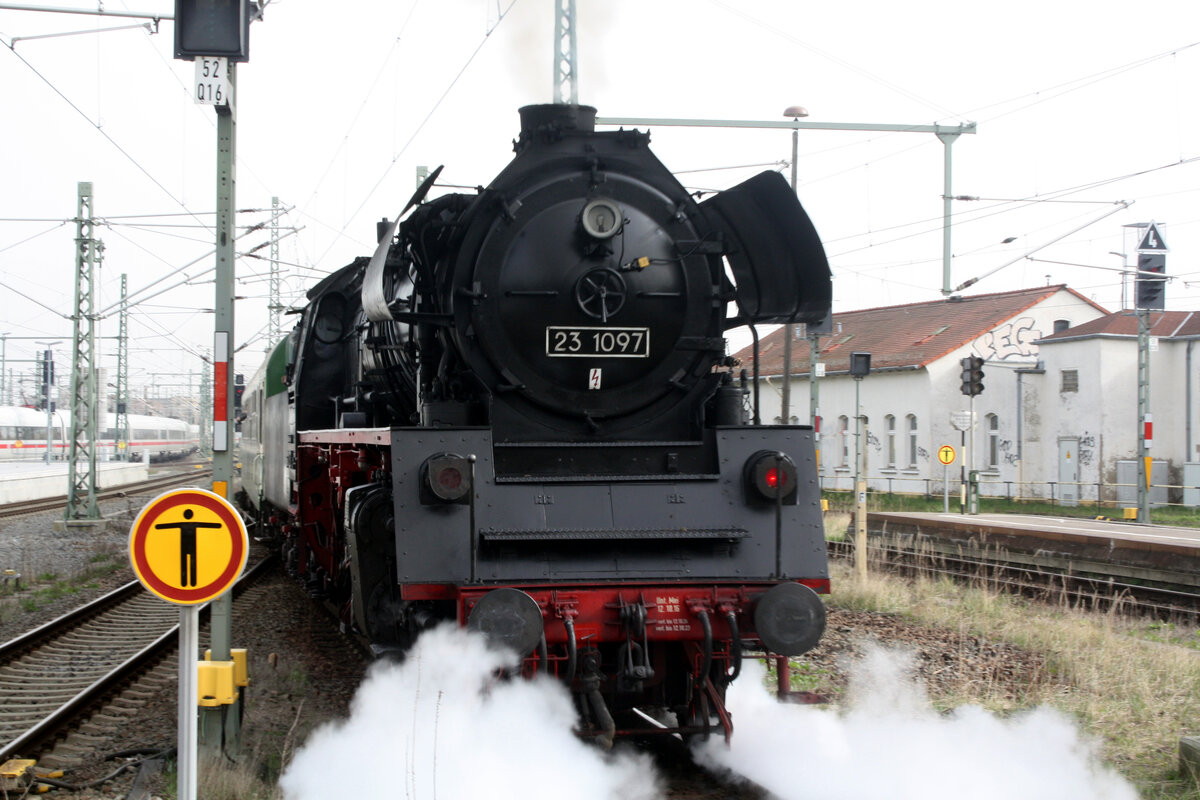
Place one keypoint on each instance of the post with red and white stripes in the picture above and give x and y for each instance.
(220, 417)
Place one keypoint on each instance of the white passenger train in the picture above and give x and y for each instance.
(23, 436)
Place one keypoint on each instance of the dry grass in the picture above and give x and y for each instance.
(836, 525)
(226, 780)
(1134, 683)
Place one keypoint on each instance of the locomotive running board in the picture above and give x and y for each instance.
(613, 535)
(669, 477)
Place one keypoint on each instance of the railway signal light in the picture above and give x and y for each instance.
(972, 376)
(213, 28)
(1148, 288)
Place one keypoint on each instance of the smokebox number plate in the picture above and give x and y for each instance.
(593, 342)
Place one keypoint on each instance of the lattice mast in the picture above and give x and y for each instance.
(121, 405)
(274, 307)
(81, 486)
(566, 78)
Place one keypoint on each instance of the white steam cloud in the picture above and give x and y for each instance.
(891, 743)
(441, 726)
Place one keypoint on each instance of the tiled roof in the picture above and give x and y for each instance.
(1165, 324)
(902, 336)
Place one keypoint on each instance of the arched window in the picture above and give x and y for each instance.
(889, 431)
(844, 432)
(911, 419)
(992, 426)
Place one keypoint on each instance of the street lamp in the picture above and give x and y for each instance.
(860, 367)
(789, 331)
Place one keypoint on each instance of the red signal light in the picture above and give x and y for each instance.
(771, 476)
(447, 478)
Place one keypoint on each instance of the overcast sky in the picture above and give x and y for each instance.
(1079, 105)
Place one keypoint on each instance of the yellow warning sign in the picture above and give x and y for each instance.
(188, 546)
(946, 454)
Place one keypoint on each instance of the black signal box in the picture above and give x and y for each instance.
(1150, 288)
(212, 29)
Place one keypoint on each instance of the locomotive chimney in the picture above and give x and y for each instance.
(550, 120)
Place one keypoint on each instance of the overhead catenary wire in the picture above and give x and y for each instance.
(421, 126)
(131, 297)
(99, 129)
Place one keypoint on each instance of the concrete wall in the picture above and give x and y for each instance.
(29, 481)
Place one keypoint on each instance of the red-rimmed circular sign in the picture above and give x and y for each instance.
(188, 546)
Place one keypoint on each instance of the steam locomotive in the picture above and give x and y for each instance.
(519, 414)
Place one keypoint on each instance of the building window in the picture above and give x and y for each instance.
(1061, 325)
(1070, 380)
(844, 431)
(889, 428)
(911, 419)
(992, 426)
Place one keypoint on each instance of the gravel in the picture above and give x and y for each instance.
(85, 561)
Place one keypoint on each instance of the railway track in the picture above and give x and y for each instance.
(58, 673)
(1100, 592)
(152, 484)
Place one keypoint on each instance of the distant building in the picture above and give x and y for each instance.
(912, 396)
(1087, 404)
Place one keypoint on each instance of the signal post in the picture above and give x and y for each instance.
(217, 36)
(972, 384)
(1148, 296)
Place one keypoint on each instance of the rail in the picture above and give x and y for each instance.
(149, 485)
(64, 713)
(1100, 591)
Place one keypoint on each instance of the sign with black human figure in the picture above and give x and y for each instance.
(188, 546)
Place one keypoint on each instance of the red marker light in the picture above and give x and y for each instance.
(447, 478)
(450, 478)
(771, 475)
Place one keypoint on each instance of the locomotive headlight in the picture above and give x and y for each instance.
(446, 478)
(602, 218)
(771, 476)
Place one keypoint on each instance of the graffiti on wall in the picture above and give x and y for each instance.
(1087, 444)
(1010, 340)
